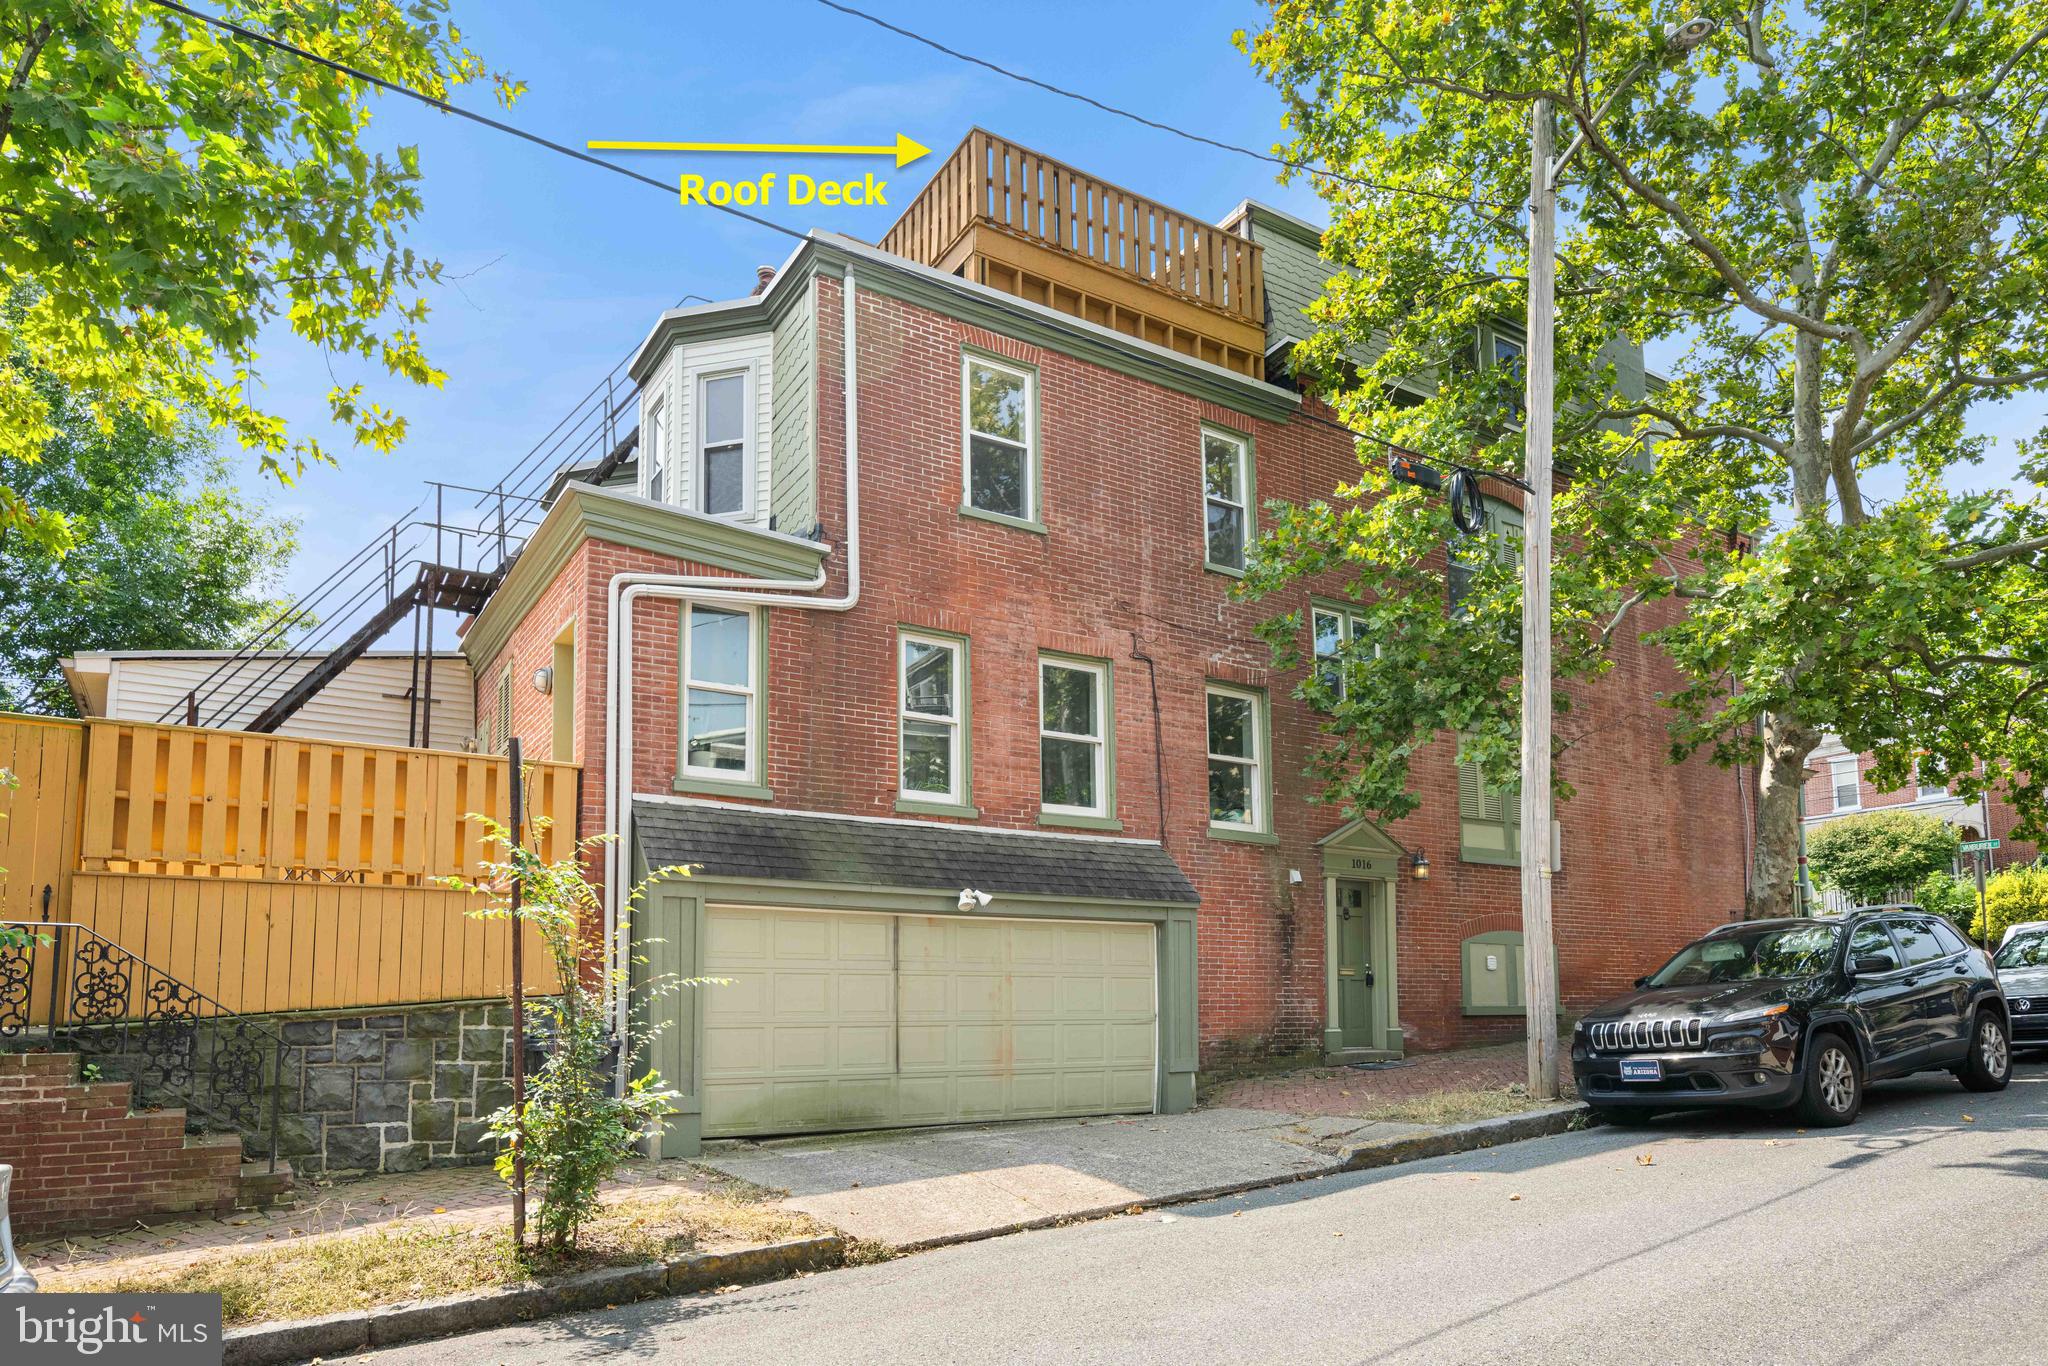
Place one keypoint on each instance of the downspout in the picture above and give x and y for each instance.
(1158, 736)
(628, 588)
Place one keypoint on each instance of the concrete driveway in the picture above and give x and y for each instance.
(924, 1187)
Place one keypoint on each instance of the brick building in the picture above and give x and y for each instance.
(1838, 784)
(910, 624)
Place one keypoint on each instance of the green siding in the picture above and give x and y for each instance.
(793, 444)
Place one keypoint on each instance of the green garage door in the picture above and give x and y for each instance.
(835, 1020)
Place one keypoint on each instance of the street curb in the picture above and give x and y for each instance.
(275, 1344)
(1465, 1138)
(1459, 1138)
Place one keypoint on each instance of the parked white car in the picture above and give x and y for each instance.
(2024, 927)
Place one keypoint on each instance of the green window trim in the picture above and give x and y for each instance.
(1031, 446)
(907, 807)
(1243, 498)
(1489, 820)
(723, 787)
(752, 782)
(1259, 828)
(959, 801)
(1106, 823)
(1101, 816)
(1002, 519)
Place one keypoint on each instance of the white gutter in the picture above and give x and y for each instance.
(627, 589)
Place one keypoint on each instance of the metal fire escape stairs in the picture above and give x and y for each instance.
(430, 560)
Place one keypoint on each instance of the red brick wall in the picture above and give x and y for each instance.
(1820, 801)
(1652, 853)
(82, 1161)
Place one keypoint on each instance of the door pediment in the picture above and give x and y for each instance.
(1359, 848)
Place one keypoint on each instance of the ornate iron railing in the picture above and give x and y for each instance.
(64, 985)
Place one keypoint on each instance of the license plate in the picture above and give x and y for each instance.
(1642, 1069)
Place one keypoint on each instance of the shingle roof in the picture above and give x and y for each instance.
(732, 841)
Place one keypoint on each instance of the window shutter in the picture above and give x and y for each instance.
(1471, 793)
(503, 742)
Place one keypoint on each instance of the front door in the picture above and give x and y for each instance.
(1357, 908)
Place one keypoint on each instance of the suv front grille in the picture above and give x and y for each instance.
(1646, 1036)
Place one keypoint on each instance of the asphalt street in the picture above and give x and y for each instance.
(1920, 1235)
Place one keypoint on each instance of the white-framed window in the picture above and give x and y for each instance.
(998, 473)
(1237, 759)
(931, 690)
(1848, 787)
(1331, 629)
(1226, 494)
(654, 452)
(725, 465)
(721, 692)
(1926, 791)
(1072, 754)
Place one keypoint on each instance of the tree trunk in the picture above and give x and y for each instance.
(1774, 869)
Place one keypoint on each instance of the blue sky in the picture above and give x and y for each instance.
(563, 267)
(558, 269)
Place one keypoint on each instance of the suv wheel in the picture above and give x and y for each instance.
(1833, 1095)
(1988, 1065)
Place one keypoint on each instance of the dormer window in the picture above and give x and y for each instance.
(724, 469)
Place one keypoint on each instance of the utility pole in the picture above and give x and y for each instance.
(1539, 961)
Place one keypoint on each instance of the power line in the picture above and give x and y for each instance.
(251, 35)
(1122, 113)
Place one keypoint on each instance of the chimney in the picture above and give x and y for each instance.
(764, 276)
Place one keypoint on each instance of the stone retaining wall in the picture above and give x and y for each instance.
(394, 1091)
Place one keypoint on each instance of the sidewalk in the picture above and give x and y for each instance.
(1373, 1087)
(925, 1187)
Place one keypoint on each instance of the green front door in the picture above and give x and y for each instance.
(1356, 974)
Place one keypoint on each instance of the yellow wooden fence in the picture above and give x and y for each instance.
(38, 816)
(273, 874)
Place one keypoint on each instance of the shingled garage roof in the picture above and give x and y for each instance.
(739, 842)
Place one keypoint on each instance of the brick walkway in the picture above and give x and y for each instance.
(1354, 1090)
(451, 1197)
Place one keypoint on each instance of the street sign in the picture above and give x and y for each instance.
(1979, 846)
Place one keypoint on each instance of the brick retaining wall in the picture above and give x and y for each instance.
(84, 1161)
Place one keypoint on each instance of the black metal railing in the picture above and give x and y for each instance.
(66, 986)
(449, 532)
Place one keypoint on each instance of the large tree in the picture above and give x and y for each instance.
(168, 554)
(169, 189)
(1835, 215)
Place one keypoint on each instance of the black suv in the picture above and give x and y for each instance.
(1797, 1013)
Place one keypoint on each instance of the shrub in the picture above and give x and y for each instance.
(576, 1131)
(1869, 856)
(1952, 898)
(2015, 895)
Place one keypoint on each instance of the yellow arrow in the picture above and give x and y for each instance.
(905, 150)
